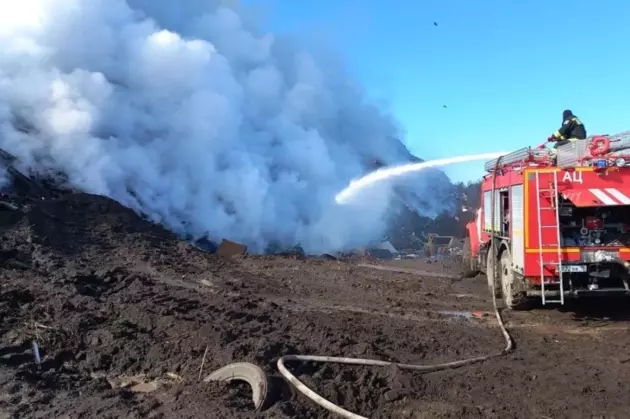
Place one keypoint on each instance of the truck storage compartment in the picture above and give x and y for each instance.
(607, 226)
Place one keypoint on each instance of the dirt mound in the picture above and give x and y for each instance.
(110, 297)
(123, 314)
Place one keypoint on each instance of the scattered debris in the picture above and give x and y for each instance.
(295, 251)
(174, 377)
(126, 381)
(376, 253)
(228, 249)
(463, 314)
(276, 249)
(244, 371)
(140, 383)
(206, 245)
(440, 246)
(203, 361)
(38, 359)
(480, 314)
(145, 387)
(9, 206)
(470, 315)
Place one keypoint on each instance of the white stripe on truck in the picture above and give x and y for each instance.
(601, 195)
(618, 195)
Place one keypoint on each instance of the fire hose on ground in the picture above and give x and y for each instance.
(252, 374)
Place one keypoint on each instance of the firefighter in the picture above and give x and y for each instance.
(571, 130)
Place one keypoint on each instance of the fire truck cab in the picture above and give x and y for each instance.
(555, 224)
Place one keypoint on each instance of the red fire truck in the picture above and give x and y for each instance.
(555, 224)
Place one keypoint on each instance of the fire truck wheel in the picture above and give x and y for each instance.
(493, 286)
(512, 287)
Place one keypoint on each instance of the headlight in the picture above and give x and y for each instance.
(598, 256)
(620, 162)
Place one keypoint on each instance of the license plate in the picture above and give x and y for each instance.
(573, 268)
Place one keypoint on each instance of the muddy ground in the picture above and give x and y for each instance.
(108, 295)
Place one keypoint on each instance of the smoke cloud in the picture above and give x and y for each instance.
(187, 112)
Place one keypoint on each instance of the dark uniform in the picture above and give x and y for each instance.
(571, 130)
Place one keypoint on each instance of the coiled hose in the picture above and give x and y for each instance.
(410, 367)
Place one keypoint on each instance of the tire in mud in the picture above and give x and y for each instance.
(494, 282)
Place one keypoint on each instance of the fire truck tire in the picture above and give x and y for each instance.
(494, 286)
(471, 266)
(512, 286)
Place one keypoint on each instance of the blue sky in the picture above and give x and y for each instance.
(505, 69)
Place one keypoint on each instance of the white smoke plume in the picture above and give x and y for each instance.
(184, 110)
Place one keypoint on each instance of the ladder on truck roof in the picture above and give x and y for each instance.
(569, 155)
(527, 156)
(552, 190)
